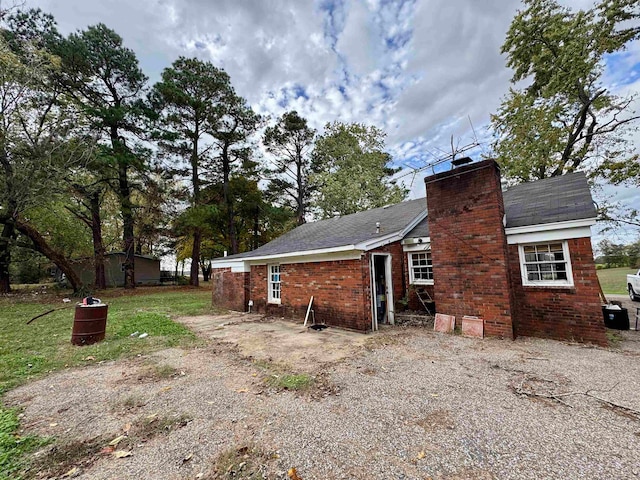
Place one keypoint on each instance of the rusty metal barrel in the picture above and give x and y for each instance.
(89, 324)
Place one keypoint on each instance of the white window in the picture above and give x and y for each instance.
(545, 264)
(420, 268)
(274, 283)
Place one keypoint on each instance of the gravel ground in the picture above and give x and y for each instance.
(413, 405)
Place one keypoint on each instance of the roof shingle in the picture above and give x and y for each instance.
(552, 200)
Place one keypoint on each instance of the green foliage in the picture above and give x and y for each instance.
(565, 116)
(28, 266)
(355, 174)
(13, 446)
(290, 141)
(618, 255)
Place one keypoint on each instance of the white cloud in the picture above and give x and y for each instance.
(417, 69)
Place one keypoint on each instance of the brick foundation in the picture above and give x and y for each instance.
(572, 313)
(468, 246)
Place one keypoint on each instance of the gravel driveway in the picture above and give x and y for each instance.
(408, 404)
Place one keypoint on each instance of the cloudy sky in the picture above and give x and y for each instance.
(422, 70)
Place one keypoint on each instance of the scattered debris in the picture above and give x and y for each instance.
(122, 453)
(293, 474)
(71, 473)
(525, 388)
(116, 441)
(143, 335)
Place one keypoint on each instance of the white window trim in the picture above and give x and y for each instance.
(546, 283)
(419, 281)
(270, 298)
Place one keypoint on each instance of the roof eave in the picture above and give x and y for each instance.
(543, 227)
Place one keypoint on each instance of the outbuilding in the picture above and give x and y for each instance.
(147, 269)
(521, 260)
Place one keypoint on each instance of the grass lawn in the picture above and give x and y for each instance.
(614, 280)
(31, 351)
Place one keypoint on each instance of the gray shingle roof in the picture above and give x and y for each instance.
(340, 231)
(556, 199)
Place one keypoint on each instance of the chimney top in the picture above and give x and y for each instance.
(461, 161)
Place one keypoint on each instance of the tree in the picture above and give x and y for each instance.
(34, 122)
(105, 80)
(232, 138)
(356, 175)
(191, 98)
(565, 119)
(614, 254)
(290, 142)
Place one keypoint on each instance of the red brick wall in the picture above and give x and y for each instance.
(561, 313)
(468, 246)
(230, 289)
(340, 290)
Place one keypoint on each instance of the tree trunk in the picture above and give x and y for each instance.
(126, 207)
(8, 232)
(98, 244)
(41, 245)
(206, 271)
(194, 277)
(128, 242)
(256, 228)
(226, 170)
(300, 200)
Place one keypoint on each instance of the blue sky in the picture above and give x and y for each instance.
(422, 70)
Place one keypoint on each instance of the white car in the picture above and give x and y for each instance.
(633, 286)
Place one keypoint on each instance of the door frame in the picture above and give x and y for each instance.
(388, 290)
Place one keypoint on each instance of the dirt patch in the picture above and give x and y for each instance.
(437, 419)
(413, 405)
(247, 462)
(280, 341)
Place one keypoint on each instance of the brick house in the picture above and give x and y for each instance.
(520, 259)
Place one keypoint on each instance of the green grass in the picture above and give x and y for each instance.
(614, 280)
(300, 381)
(31, 351)
(278, 376)
(13, 446)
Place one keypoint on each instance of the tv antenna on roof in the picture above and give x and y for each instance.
(456, 151)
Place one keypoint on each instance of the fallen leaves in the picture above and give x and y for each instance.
(122, 453)
(117, 440)
(71, 473)
(293, 474)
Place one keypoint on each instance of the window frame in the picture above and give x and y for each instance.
(419, 281)
(546, 283)
(271, 298)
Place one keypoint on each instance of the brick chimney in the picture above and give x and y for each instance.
(469, 246)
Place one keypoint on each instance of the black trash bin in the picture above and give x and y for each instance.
(615, 318)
